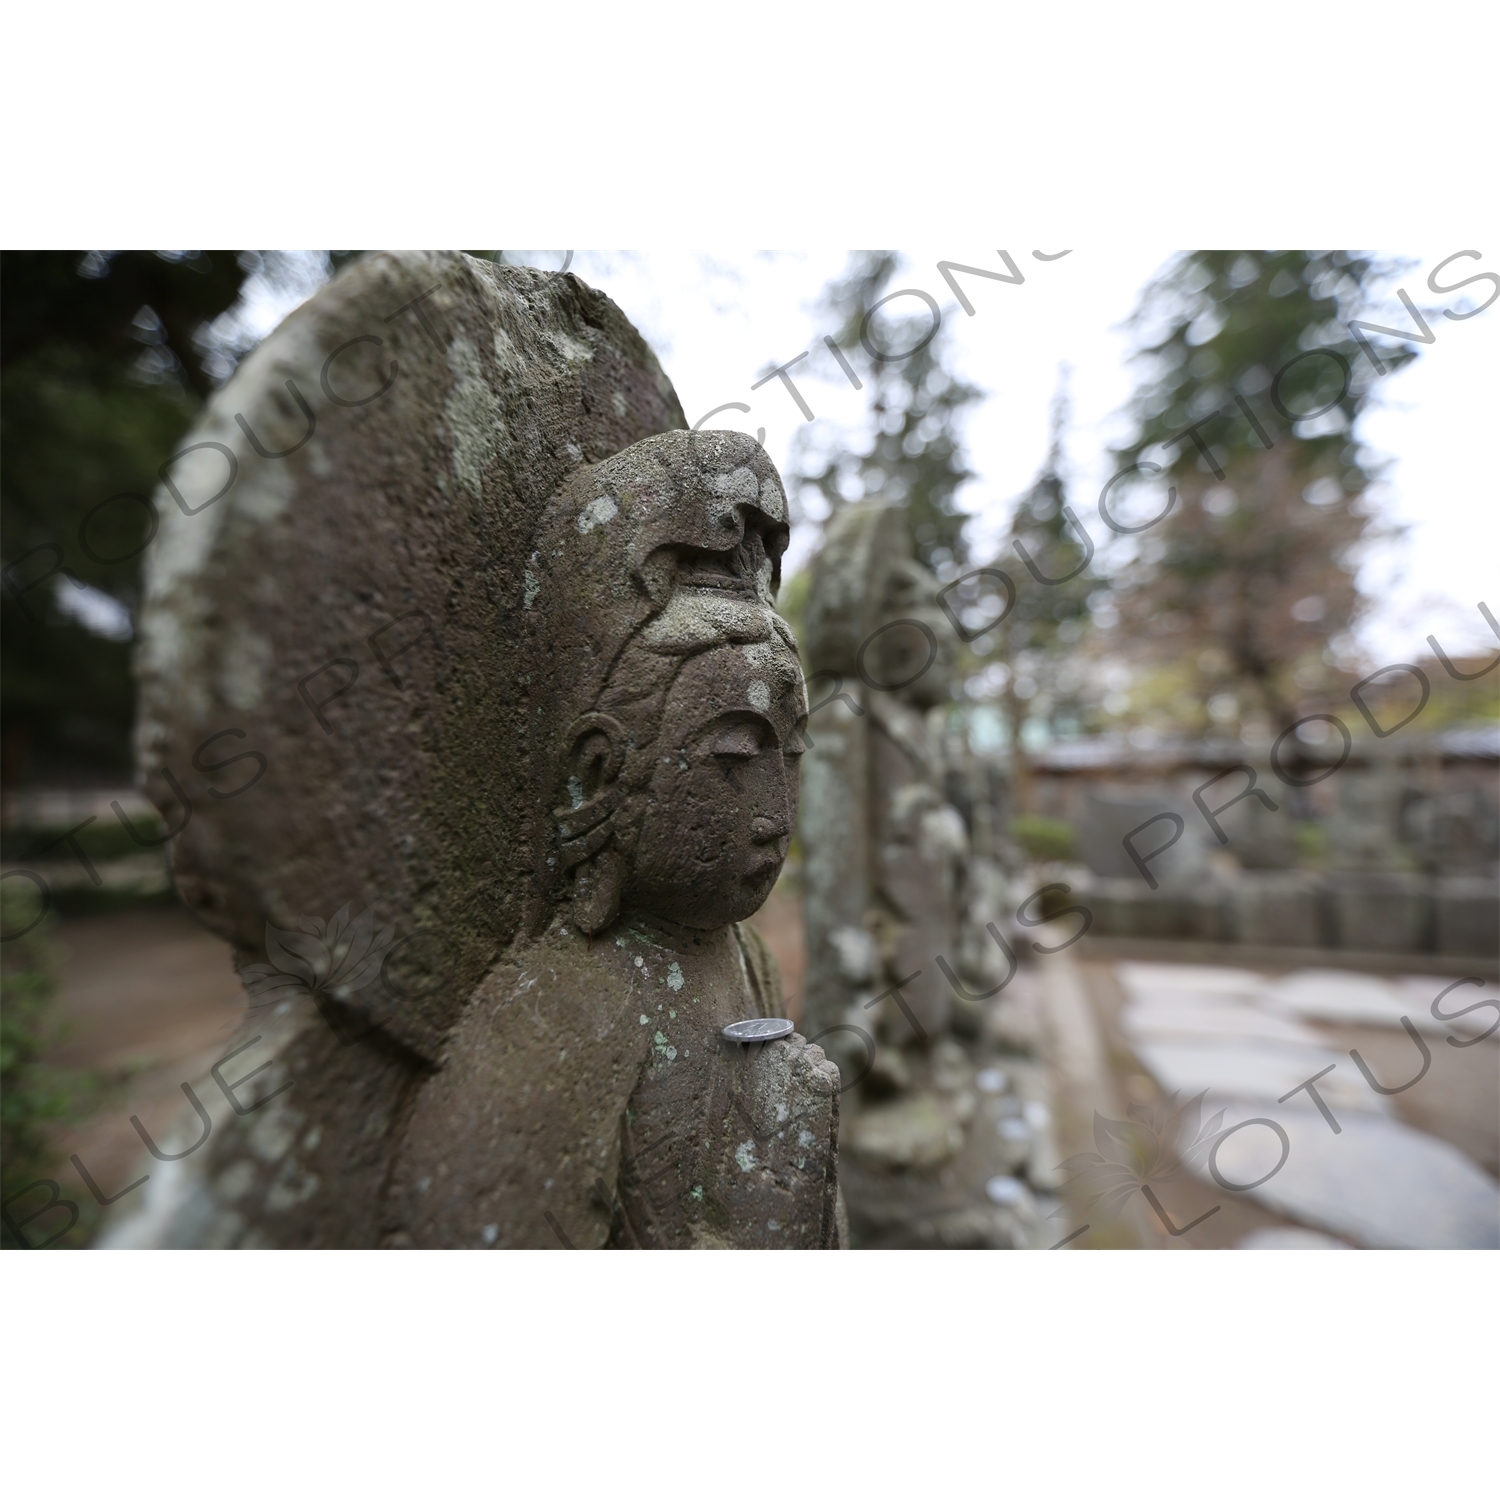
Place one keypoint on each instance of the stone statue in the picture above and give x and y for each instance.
(503, 637)
(886, 852)
(899, 907)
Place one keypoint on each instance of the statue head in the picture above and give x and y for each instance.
(675, 787)
(913, 648)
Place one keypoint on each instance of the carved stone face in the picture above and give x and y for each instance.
(669, 686)
(920, 661)
(722, 801)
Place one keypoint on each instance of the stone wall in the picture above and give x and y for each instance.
(1362, 911)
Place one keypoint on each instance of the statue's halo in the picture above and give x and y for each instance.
(359, 612)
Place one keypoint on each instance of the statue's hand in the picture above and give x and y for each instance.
(777, 1140)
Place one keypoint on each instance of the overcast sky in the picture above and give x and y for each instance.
(720, 321)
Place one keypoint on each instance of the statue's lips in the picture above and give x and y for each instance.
(765, 865)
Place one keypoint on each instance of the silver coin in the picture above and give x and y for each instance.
(762, 1029)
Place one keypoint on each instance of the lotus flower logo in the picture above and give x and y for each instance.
(332, 959)
(1135, 1153)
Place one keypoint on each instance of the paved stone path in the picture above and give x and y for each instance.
(1252, 1041)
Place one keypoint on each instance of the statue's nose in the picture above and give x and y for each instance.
(764, 830)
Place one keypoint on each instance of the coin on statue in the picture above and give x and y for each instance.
(762, 1029)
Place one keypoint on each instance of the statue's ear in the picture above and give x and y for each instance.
(585, 825)
(596, 754)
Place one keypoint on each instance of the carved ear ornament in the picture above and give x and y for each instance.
(573, 822)
(584, 833)
(587, 846)
(597, 888)
(586, 825)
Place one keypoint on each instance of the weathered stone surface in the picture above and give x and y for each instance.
(1253, 1069)
(1182, 1015)
(1380, 912)
(1107, 819)
(921, 1130)
(305, 1169)
(1144, 981)
(1276, 910)
(1479, 997)
(903, 882)
(417, 507)
(504, 645)
(1466, 916)
(703, 1114)
(1338, 995)
(1287, 1237)
(886, 853)
(1129, 908)
(1380, 1183)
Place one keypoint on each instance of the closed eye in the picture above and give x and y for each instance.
(738, 742)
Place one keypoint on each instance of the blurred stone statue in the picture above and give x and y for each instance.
(503, 637)
(897, 904)
(887, 851)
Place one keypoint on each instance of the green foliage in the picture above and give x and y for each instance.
(1031, 660)
(1048, 620)
(35, 1100)
(1054, 902)
(915, 457)
(73, 437)
(1251, 575)
(1311, 841)
(1457, 703)
(99, 378)
(1217, 323)
(102, 839)
(791, 603)
(26, 1032)
(1042, 611)
(1044, 838)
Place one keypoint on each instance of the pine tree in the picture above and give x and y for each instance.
(915, 455)
(1048, 619)
(1250, 574)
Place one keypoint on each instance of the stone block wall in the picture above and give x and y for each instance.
(1363, 911)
